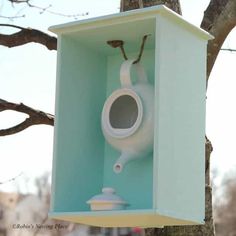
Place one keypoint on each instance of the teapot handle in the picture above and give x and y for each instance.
(125, 79)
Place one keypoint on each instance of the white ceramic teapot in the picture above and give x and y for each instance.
(128, 115)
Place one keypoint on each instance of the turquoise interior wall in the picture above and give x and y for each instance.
(87, 75)
(84, 161)
(135, 182)
(79, 143)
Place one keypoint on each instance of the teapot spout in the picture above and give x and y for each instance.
(122, 161)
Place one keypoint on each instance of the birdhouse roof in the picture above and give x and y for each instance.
(130, 16)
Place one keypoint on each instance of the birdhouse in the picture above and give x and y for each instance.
(129, 143)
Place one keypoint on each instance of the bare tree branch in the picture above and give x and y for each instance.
(228, 49)
(27, 35)
(19, 1)
(12, 179)
(46, 9)
(11, 17)
(13, 26)
(36, 117)
(219, 19)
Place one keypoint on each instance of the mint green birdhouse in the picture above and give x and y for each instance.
(129, 143)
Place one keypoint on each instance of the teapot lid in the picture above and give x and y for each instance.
(108, 196)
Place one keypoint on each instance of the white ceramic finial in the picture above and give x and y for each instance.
(108, 190)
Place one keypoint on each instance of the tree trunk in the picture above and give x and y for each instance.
(126, 5)
(197, 230)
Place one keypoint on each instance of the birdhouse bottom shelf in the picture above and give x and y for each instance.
(132, 218)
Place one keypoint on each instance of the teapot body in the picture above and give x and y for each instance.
(128, 117)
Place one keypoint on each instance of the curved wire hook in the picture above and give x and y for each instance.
(120, 44)
(141, 49)
(116, 44)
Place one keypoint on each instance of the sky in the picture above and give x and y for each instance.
(28, 75)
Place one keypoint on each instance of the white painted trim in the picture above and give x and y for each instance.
(129, 16)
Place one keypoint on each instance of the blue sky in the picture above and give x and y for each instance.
(28, 75)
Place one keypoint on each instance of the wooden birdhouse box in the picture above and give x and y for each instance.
(154, 121)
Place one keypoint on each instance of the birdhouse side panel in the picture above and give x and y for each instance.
(179, 147)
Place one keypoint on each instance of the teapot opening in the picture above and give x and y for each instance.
(123, 112)
(117, 168)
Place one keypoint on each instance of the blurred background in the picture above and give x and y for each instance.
(28, 75)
